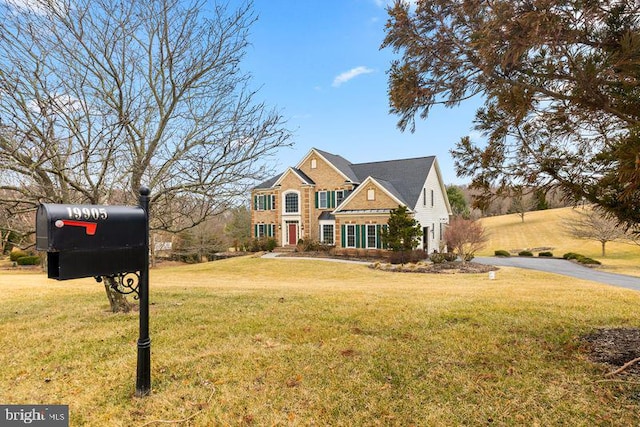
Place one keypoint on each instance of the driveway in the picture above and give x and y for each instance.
(564, 267)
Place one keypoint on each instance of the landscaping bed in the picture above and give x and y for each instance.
(452, 267)
(615, 347)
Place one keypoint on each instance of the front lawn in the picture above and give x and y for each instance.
(252, 341)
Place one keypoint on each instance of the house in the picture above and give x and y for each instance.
(328, 199)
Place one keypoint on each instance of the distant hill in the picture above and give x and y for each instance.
(542, 230)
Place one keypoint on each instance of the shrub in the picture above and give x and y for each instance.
(450, 256)
(262, 244)
(525, 253)
(270, 244)
(545, 254)
(28, 260)
(400, 257)
(437, 258)
(308, 245)
(588, 261)
(17, 253)
(502, 252)
(571, 255)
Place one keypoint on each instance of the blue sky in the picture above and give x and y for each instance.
(319, 63)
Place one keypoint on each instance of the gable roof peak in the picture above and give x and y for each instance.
(339, 163)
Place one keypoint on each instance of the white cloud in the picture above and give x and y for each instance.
(385, 3)
(351, 74)
(39, 7)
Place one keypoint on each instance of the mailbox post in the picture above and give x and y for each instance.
(103, 241)
(143, 375)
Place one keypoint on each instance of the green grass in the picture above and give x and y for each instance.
(543, 229)
(253, 341)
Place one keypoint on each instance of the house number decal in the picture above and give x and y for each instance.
(87, 213)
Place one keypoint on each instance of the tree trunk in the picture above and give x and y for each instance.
(603, 243)
(117, 301)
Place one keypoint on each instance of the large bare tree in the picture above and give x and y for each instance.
(99, 97)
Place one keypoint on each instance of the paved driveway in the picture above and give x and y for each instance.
(567, 268)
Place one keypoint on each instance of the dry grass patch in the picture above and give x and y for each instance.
(543, 229)
(262, 342)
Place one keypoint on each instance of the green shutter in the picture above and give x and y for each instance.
(316, 200)
(343, 235)
(357, 227)
(255, 203)
(255, 231)
(363, 235)
(378, 239)
(386, 229)
(333, 199)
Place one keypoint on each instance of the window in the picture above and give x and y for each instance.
(340, 197)
(314, 163)
(371, 194)
(265, 230)
(351, 235)
(265, 202)
(431, 198)
(371, 236)
(424, 197)
(326, 234)
(291, 203)
(323, 199)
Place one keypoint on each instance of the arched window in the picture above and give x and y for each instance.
(291, 204)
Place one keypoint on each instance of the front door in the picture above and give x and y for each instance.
(293, 233)
(425, 239)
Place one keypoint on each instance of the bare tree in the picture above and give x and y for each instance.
(100, 97)
(465, 237)
(521, 201)
(593, 225)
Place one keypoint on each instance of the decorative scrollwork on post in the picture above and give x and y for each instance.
(123, 283)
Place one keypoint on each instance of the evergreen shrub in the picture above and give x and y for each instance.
(28, 260)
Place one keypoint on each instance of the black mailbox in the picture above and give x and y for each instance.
(91, 240)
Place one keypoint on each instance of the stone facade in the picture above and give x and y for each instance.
(323, 199)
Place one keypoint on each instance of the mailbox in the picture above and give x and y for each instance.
(91, 240)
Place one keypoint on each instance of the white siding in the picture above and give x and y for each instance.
(432, 216)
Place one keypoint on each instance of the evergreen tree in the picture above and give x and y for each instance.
(560, 80)
(403, 233)
(458, 202)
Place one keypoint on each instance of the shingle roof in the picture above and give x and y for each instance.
(391, 189)
(342, 164)
(304, 176)
(271, 181)
(406, 176)
(268, 183)
(403, 178)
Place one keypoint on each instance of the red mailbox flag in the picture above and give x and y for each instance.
(90, 227)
